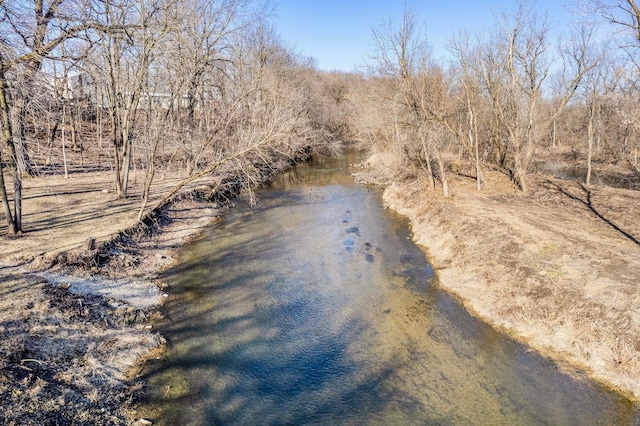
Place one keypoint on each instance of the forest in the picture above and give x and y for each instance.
(156, 86)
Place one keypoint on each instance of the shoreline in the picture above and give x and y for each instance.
(103, 320)
(521, 277)
(76, 321)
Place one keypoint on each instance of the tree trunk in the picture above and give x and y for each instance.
(519, 173)
(64, 141)
(117, 167)
(125, 166)
(74, 133)
(443, 175)
(151, 170)
(147, 188)
(52, 138)
(427, 158)
(13, 226)
(473, 140)
(480, 178)
(520, 178)
(5, 201)
(589, 143)
(17, 114)
(3, 193)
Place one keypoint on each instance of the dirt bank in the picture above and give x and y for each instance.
(72, 334)
(557, 268)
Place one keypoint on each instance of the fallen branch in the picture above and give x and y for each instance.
(31, 360)
(209, 170)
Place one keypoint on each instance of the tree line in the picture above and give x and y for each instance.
(197, 85)
(514, 98)
(143, 84)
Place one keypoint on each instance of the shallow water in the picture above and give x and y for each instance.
(315, 307)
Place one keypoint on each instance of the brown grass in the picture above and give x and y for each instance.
(71, 340)
(557, 268)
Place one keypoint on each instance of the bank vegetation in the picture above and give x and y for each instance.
(148, 87)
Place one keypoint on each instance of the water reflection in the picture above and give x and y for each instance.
(316, 308)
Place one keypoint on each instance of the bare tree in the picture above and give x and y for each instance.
(133, 31)
(197, 57)
(155, 128)
(266, 109)
(619, 112)
(625, 14)
(516, 65)
(597, 83)
(471, 98)
(30, 32)
(417, 87)
(622, 105)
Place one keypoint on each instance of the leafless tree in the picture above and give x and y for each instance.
(417, 87)
(619, 113)
(596, 85)
(133, 31)
(621, 106)
(516, 64)
(622, 13)
(30, 32)
(470, 97)
(195, 65)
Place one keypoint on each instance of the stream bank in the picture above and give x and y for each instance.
(76, 323)
(550, 267)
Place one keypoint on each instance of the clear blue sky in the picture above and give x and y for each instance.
(337, 33)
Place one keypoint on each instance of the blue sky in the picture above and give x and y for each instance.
(337, 33)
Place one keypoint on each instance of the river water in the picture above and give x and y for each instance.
(315, 307)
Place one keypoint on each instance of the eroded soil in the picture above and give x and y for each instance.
(558, 267)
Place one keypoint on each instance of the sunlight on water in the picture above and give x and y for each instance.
(314, 307)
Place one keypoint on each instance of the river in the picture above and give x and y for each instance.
(315, 307)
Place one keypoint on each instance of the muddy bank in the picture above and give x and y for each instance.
(556, 268)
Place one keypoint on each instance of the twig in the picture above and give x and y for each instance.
(31, 360)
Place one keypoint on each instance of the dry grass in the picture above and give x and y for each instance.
(71, 341)
(557, 268)
(65, 358)
(60, 214)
